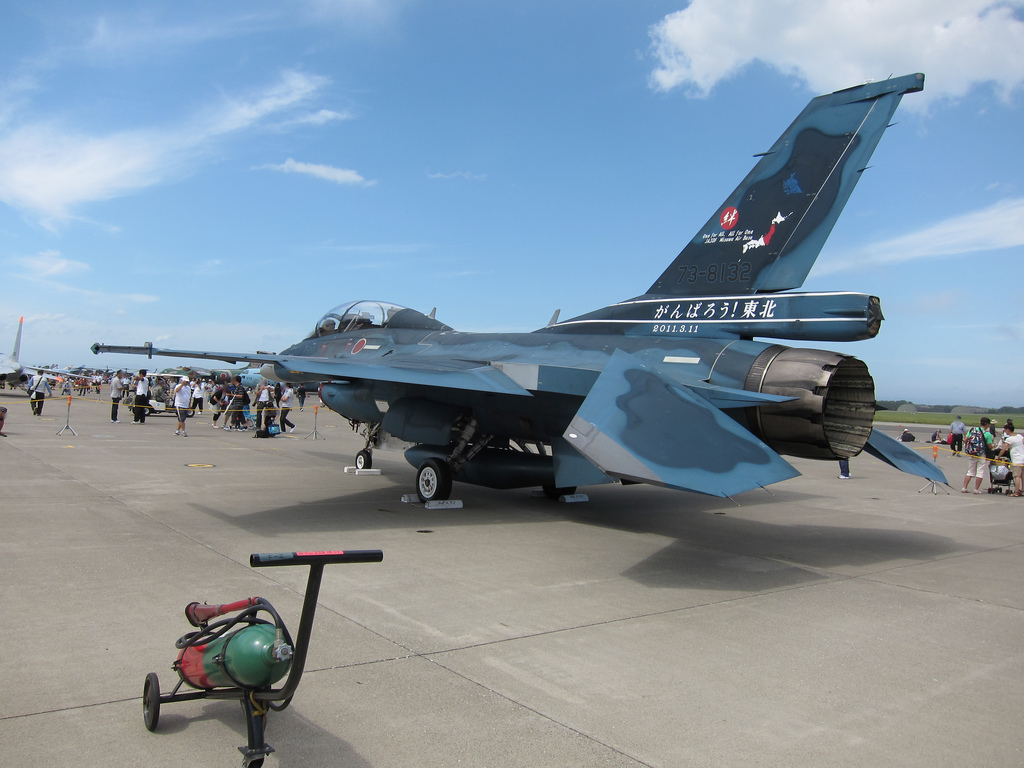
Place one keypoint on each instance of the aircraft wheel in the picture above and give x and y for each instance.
(553, 493)
(434, 480)
(364, 460)
(151, 701)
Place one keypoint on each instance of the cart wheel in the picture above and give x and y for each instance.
(151, 701)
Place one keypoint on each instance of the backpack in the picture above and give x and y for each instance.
(974, 445)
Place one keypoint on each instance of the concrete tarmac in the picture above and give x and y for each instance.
(826, 623)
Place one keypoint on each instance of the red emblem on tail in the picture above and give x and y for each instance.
(729, 218)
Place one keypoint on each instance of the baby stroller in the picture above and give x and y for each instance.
(1000, 476)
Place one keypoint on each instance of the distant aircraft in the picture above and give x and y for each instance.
(13, 371)
(668, 388)
(250, 375)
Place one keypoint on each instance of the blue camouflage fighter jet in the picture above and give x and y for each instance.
(673, 387)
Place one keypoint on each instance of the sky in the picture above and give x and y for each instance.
(217, 176)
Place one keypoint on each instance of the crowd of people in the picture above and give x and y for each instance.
(186, 395)
(227, 397)
(999, 454)
(996, 453)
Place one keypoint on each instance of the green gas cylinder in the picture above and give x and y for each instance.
(242, 659)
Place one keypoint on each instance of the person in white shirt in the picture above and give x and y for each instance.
(198, 392)
(40, 388)
(264, 406)
(1013, 442)
(182, 401)
(287, 400)
(116, 389)
(141, 407)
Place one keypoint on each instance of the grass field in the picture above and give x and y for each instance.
(945, 419)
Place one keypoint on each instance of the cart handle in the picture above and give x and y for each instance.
(316, 562)
(266, 559)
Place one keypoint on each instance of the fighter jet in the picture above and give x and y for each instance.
(14, 372)
(250, 375)
(669, 388)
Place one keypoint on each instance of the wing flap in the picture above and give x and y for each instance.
(637, 425)
(896, 454)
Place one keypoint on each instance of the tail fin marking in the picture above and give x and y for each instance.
(769, 231)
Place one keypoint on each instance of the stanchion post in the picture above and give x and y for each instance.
(315, 434)
(67, 424)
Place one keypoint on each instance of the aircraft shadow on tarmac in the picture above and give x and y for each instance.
(291, 729)
(713, 548)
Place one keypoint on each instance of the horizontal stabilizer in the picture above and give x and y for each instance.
(636, 425)
(905, 459)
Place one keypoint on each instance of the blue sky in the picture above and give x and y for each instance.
(218, 175)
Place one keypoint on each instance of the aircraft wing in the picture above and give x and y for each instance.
(15, 369)
(637, 425)
(455, 374)
(448, 372)
(50, 373)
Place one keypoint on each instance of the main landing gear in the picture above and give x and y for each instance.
(434, 480)
(364, 459)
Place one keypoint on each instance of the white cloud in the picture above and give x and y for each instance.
(321, 117)
(119, 36)
(458, 175)
(292, 89)
(832, 44)
(48, 264)
(326, 172)
(54, 274)
(994, 228)
(48, 169)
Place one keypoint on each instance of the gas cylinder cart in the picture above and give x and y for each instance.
(241, 657)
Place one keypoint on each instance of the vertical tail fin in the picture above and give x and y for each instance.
(767, 234)
(17, 340)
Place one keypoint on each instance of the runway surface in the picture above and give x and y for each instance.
(827, 623)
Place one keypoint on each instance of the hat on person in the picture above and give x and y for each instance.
(184, 378)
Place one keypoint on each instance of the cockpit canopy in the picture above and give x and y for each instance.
(366, 314)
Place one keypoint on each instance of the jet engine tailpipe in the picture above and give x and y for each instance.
(833, 409)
